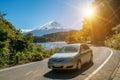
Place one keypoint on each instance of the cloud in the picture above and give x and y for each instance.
(25, 30)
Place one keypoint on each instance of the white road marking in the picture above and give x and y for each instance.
(28, 73)
(93, 73)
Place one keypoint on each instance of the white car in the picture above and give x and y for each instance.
(72, 56)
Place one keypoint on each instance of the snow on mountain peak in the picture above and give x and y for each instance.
(52, 25)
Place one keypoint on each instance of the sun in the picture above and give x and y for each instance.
(89, 12)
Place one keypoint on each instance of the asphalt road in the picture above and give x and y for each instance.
(105, 62)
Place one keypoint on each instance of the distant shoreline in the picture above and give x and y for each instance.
(50, 45)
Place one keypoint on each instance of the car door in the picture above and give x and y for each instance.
(88, 53)
(85, 53)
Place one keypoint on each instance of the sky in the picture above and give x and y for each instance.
(32, 14)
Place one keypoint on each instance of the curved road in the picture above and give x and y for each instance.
(105, 62)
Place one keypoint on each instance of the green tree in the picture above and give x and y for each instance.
(72, 37)
(107, 15)
(3, 35)
(116, 29)
(4, 56)
(80, 36)
(114, 40)
(2, 15)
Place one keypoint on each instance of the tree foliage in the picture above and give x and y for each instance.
(80, 36)
(2, 15)
(98, 27)
(106, 16)
(18, 48)
(3, 35)
(114, 40)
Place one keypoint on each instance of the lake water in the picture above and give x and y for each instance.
(49, 45)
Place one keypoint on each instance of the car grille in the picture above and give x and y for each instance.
(57, 66)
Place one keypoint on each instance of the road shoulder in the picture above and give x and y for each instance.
(116, 74)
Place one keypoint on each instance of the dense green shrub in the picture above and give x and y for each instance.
(4, 56)
(114, 40)
(37, 56)
(3, 35)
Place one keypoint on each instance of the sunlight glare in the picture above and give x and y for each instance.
(89, 12)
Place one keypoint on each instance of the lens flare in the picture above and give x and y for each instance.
(89, 12)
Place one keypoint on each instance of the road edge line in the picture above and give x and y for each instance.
(100, 67)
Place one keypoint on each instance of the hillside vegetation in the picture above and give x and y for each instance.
(16, 48)
(114, 40)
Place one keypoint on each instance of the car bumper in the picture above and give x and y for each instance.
(62, 66)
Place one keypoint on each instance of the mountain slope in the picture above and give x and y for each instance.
(53, 37)
(50, 27)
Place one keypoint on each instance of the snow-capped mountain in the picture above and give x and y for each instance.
(50, 27)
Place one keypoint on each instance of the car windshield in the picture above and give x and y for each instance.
(69, 49)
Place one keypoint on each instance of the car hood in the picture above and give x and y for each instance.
(64, 55)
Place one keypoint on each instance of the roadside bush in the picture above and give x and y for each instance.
(114, 41)
(19, 57)
(37, 56)
(4, 57)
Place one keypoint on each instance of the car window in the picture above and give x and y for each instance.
(68, 49)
